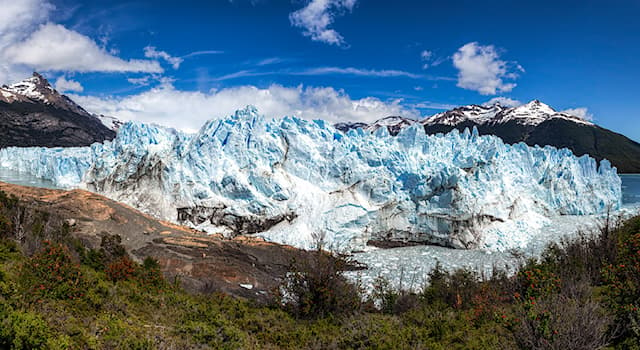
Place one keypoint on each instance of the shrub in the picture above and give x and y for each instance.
(111, 248)
(455, 289)
(7, 248)
(390, 300)
(23, 330)
(51, 272)
(147, 275)
(623, 285)
(150, 276)
(6, 226)
(315, 287)
(537, 281)
(558, 322)
(123, 269)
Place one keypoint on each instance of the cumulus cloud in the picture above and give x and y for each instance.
(151, 52)
(317, 16)
(481, 69)
(28, 41)
(17, 20)
(64, 85)
(503, 101)
(581, 112)
(188, 110)
(54, 47)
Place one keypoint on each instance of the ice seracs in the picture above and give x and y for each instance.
(290, 179)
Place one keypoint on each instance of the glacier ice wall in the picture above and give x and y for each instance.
(290, 179)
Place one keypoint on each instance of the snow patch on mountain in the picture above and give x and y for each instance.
(533, 113)
(290, 179)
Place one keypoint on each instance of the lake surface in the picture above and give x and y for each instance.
(630, 188)
(24, 179)
(408, 267)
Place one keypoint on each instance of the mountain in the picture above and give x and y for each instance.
(534, 123)
(33, 113)
(289, 180)
(393, 124)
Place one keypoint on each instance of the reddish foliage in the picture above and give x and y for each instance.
(52, 272)
(122, 269)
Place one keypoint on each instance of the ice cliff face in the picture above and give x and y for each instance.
(289, 179)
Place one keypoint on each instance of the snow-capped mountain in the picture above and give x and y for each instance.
(288, 179)
(33, 113)
(37, 89)
(112, 123)
(534, 123)
(533, 113)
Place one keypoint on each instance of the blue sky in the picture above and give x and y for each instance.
(335, 59)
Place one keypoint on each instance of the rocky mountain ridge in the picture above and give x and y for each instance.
(34, 114)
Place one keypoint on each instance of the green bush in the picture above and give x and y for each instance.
(316, 288)
(51, 272)
(23, 330)
(622, 287)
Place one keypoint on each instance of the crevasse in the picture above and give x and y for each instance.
(290, 180)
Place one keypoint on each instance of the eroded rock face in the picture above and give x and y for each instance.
(238, 225)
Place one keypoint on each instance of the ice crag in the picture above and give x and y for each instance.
(291, 179)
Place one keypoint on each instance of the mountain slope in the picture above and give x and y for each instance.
(534, 123)
(32, 113)
(538, 124)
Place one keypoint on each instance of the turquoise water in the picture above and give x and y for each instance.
(24, 179)
(630, 188)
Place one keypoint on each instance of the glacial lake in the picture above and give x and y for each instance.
(408, 267)
(24, 179)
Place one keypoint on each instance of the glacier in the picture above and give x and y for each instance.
(292, 180)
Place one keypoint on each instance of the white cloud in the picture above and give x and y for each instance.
(481, 69)
(433, 105)
(64, 85)
(429, 59)
(385, 73)
(317, 16)
(54, 47)
(201, 53)
(504, 101)
(426, 57)
(188, 110)
(270, 61)
(142, 81)
(581, 112)
(358, 71)
(29, 41)
(17, 20)
(151, 52)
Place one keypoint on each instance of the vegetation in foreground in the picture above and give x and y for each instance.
(582, 294)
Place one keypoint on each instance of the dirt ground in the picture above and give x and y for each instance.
(244, 266)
